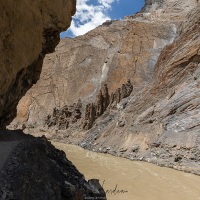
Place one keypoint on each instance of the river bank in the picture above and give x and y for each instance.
(126, 179)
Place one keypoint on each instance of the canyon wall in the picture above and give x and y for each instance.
(158, 52)
(31, 168)
(29, 30)
(111, 54)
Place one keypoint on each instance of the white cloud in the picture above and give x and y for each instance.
(88, 16)
(107, 3)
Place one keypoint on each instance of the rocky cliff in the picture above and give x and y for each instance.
(31, 168)
(28, 31)
(156, 51)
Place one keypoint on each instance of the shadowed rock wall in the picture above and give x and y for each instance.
(31, 168)
(28, 31)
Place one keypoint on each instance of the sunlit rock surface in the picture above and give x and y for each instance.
(158, 49)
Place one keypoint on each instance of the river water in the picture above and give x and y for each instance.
(133, 180)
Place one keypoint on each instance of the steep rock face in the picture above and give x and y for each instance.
(111, 54)
(105, 102)
(29, 30)
(158, 50)
(161, 122)
(169, 8)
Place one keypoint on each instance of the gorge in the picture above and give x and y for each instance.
(157, 51)
(129, 88)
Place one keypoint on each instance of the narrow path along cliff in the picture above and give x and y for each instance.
(6, 149)
(32, 168)
(9, 140)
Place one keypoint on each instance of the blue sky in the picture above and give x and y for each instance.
(92, 13)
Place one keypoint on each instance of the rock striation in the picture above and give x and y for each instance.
(111, 54)
(64, 117)
(72, 116)
(104, 102)
(158, 49)
(28, 32)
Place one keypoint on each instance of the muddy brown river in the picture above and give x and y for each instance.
(123, 179)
